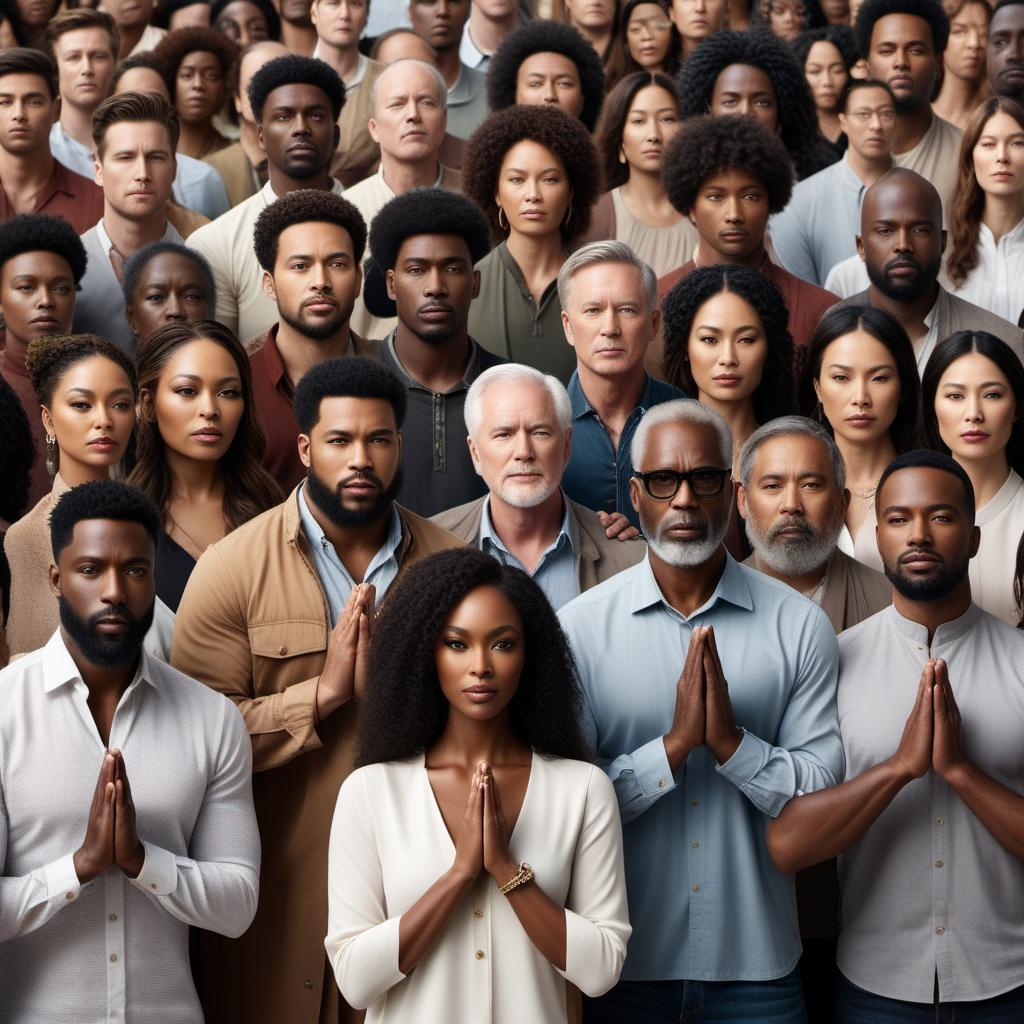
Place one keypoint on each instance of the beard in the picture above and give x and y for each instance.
(923, 279)
(320, 329)
(926, 590)
(526, 495)
(329, 501)
(684, 554)
(795, 556)
(98, 648)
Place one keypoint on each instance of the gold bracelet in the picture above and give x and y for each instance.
(521, 877)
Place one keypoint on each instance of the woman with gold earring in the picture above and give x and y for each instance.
(534, 172)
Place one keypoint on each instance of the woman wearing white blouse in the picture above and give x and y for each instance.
(985, 261)
(973, 400)
(443, 908)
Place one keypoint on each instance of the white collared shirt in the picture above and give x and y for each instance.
(997, 282)
(116, 949)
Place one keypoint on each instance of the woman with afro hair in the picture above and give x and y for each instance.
(544, 62)
(475, 820)
(728, 345)
(534, 172)
(755, 73)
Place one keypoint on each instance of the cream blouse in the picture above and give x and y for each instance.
(389, 844)
(991, 570)
(863, 547)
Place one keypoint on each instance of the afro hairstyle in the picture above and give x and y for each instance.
(138, 261)
(301, 207)
(840, 36)
(705, 146)
(49, 358)
(550, 127)
(928, 10)
(177, 45)
(925, 458)
(427, 211)
(543, 36)
(101, 499)
(347, 377)
(292, 70)
(798, 118)
(41, 232)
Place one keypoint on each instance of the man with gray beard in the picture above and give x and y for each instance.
(519, 422)
(709, 699)
(793, 497)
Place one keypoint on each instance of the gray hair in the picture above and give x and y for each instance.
(790, 426)
(442, 85)
(682, 410)
(606, 252)
(509, 373)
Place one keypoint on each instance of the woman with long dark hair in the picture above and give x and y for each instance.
(470, 744)
(199, 444)
(648, 41)
(827, 56)
(973, 399)
(860, 380)
(985, 261)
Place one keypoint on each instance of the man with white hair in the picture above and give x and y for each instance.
(408, 120)
(610, 314)
(519, 422)
(710, 699)
(793, 497)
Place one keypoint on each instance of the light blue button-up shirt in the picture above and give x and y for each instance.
(557, 572)
(705, 900)
(334, 577)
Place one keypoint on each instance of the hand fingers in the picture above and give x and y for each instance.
(716, 660)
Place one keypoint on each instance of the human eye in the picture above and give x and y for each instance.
(186, 391)
(708, 339)
(86, 570)
(504, 644)
(122, 406)
(454, 643)
(154, 297)
(839, 378)
(881, 378)
(80, 405)
(231, 392)
(954, 396)
(994, 395)
(137, 571)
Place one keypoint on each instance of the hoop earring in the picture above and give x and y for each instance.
(504, 227)
(51, 455)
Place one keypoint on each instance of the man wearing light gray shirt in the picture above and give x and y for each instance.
(931, 836)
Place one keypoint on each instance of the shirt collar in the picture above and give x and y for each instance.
(471, 372)
(732, 587)
(946, 633)
(170, 235)
(566, 535)
(581, 406)
(59, 667)
(318, 539)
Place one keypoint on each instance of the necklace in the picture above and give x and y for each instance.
(866, 494)
(188, 536)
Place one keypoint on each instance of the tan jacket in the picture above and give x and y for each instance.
(598, 558)
(357, 155)
(239, 177)
(253, 624)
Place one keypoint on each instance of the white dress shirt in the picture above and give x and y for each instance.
(997, 282)
(389, 845)
(1001, 521)
(115, 950)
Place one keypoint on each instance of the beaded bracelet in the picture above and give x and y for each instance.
(521, 877)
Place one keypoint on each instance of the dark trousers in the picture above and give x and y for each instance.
(855, 1006)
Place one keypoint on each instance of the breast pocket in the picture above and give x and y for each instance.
(286, 651)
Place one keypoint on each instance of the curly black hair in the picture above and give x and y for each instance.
(427, 211)
(706, 146)
(100, 499)
(16, 454)
(405, 711)
(177, 45)
(292, 70)
(550, 127)
(840, 36)
(543, 36)
(41, 232)
(347, 377)
(928, 10)
(776, 394)
(49, 358)
(266, 9)
(301, 207)
(138, 261)
(798, 118)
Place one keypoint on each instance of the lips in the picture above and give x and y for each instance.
(301, 149)
(208, 435)
(975, 436)
(102, 442)
(901, 82)
(860, 421)
(727, 380)
(919, 558)
(320, 305)
(45, 321)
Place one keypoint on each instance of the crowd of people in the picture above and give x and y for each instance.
(512, 511)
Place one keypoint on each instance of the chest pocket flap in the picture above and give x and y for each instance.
(287, 638)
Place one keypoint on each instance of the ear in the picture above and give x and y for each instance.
(389, 280)
(476, 283)
(97, 170)
(860, 247)
(47, 420)
(741, 501)
(304, 445)
(567, 450)
(945, 235)
(634, 493)
(129, 316)
(975, 540)
(371, 127)
(817, 389)
(268, 286)
(337, 136)
(53, 578)
(475, 456)
(846, 502)
(259, 137)
(567, 328)
(655, 322)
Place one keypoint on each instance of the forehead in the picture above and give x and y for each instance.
(24, 82)
(434, 248)
(645, 12)
(1008, 19)
(605, 281)
(509, 401)
(83, 39)
(94, 373)
(921, 486)
(36, 264)
(404, 78)
(547, 63)
(120, 539)
(743, 78)
(823, 50)
(314, 236)
(297, 94)
(264, 53)
(132, 134)
(201, 357)
(973, 367)
(726, 309)
(194, 57)
(242, 10)
(143, 80)
(793, 454)
(680, 445)
(901, 28)
(354, 415)
(904, 199)
(530, 155)
(171, 265)
(868, 96)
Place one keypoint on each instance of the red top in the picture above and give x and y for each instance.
(69, 195)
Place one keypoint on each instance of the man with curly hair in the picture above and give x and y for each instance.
(278, 616)
(426, 243)
(310, 245)
(903, 42)
(41, 262)
(728, 175)
(296, 102)
(1005, 52)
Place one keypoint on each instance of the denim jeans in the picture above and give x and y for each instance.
(855, 1006)
(700, 1002)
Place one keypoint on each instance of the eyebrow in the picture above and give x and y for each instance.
(928, 508)
(92, 394)
(491, 633)
(718, 330)
(520, 170)
(310, 256)
(984, 384)
(871, 369)
(199, 380)
(342, 432)
(406, 260)
(778, 475)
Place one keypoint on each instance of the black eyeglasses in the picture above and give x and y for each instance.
(664, 484)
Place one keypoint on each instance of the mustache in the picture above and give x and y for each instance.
(800, 526)
(115, 613)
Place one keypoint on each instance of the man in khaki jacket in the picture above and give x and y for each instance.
(276, 616)
(519, 422)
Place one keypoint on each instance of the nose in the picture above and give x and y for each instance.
(482, 667)
(210, 409)
(861, 395)
(524, 450)
(112, 591)
(550, 92)
(610, 327)
(727, 353)
(173, 307)
(792, 500)
(973, 411)
(903, 241)
(359, 456)
(733, 210)
(434, 283)
(44, 298)
(919, 531)
(684, 498)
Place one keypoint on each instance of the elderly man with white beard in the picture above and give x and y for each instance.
(793, 497)
(519, 422)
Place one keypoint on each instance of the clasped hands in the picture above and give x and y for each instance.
(933, 735)
(482, 842)
(703, 713)
(348, 650)
(110, 835)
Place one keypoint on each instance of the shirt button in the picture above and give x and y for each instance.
(480, 954)
(938, 821)
(478, 913)
(69, 895)
(307, 984)
(696, 888)
(695, 845)
(152, 885)
(282, 651)
(113, 917)
(113, 958)
(662, 783)
(940, 930)
(938, 863)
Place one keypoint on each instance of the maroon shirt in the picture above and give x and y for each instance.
(12, 369)
(78, 200)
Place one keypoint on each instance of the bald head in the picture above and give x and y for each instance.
(901, 239)
(409, 113)
(402, 44)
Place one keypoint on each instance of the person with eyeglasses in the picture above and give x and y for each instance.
(709, 698)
